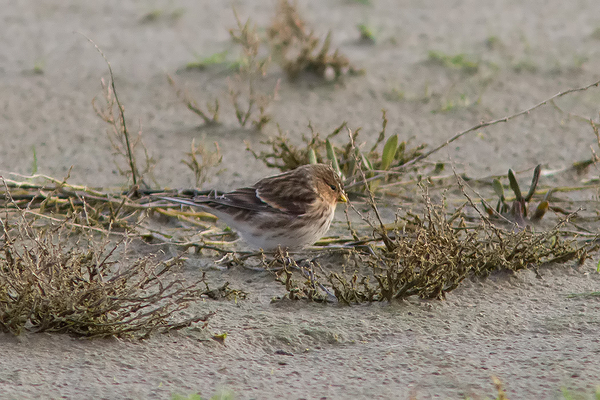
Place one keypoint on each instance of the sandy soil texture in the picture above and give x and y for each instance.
(523, 328)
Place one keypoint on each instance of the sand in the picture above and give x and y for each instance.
(523, 328)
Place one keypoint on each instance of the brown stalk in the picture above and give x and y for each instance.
(125, 132)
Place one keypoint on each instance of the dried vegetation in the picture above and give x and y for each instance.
(298, 49)
(51, 284)
(379, 160)
(289, 43)
(430, 254)
(60, 273)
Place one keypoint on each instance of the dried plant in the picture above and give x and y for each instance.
(250, 106)
(499, 388)
(429, 257)
(297, 49)
(49, 285)
(118, 134)
(124, 147)
(83, 209)
(249, 103)
(202, 161)
(345, 159)
(210, 116)
(518, 211)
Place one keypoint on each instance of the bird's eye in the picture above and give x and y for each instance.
(333, 187)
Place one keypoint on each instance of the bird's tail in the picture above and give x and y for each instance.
(188, 202)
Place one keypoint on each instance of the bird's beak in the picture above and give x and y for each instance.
(342, 198)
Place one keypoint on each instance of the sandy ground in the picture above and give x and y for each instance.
(521, 327)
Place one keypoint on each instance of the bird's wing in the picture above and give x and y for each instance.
(289, 194)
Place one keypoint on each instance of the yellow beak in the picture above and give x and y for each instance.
(342, 198)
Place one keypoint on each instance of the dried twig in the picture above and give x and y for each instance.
(494, 122)
(125, 132)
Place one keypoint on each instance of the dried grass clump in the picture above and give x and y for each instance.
(202, 161)
(116, 214)
(286, 156)
(431, 256)
(434, 258)
(298, 50)
(379, 160)
(48, 285)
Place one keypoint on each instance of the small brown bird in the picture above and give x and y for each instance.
(290, 210)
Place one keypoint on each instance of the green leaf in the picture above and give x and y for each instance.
(498, 188)
(220, 337)
(331, 157)
(389, 152)
(401, 149)
(366, 163)
(312, 157)
(204, 62)
(514, 185)
(534, 182)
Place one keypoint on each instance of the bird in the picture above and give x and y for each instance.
(289, 211)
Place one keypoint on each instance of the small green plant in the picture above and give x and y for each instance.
(367, 34)
(39, 66)
(461, 62)
(525, 65)
(517, 211)
(34, 162)
(579, 61)
(157, 14)
(201, 63)
(569, 395)
(453, 104)
(493, 42)
(394, 94)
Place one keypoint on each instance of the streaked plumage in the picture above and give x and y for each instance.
(290, 210)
